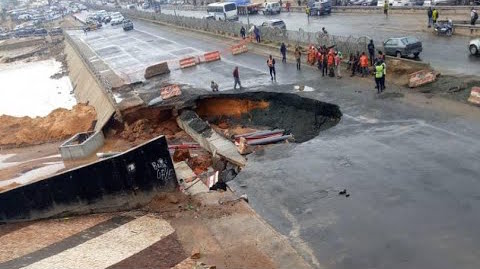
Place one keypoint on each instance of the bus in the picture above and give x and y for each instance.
(223, 11)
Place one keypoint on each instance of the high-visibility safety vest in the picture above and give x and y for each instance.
(270, 62)
(379, 71)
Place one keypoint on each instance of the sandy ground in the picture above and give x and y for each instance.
(218, 228)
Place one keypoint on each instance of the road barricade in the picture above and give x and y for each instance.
(170, 91)
(475, 96)
(237, 49)
(421, 77)
(188, 62)
(212, 56)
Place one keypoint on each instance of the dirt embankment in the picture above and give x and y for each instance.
(58, 125)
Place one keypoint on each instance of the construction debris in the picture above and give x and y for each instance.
(422, 77)
(156, 69)
(259, 138)
(474, 96)
(170, 91)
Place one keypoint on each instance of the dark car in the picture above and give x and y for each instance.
(106, 19)
(24, 32)
(321, 7)
(56, 31)
(92, 26)
(4, 36)
(127, 25)
(40, 32)
(403, 46)
(370, 3)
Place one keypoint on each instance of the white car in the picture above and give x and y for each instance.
(474, 46)
(117, 18)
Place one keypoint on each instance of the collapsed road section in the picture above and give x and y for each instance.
(303, 117)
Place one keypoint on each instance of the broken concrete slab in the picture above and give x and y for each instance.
(210, 140)
(170, 91)
(184, 173)
(422, 77)
(156, 69)
(474, 96)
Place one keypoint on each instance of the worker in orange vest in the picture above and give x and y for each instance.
(271, 67)
(331, 63)
(364, 64)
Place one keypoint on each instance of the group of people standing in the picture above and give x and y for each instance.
(327, 59)
(432, 16)
(360, 63)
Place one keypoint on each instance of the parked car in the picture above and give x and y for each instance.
(92, 26)
(146, 5)
(403, 46)
(4, 36)
(24, 32)
(356, 2)
(321, 7)
(444, 2)
(271, 8)
(107, 19)
(117, 18)
(127, 25)
(474, 46)
(370, 3)
(274, 24)
(40, 32)
(131, 7)
(56, 31)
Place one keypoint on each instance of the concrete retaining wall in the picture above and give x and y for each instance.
(87, 89)
(78, 147)
(124, 181)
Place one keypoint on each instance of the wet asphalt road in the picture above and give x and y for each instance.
(413, 173)
(448, 55)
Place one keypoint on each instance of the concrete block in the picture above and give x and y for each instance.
(81, 145)
(156, 69)
(421, 78)
(475, 96)
(209, 139)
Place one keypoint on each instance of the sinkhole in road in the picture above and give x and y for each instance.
(303, 117)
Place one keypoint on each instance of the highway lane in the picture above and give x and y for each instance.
(447, 54)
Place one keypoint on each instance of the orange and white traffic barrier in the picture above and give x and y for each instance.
(188, 62)
(475, 96)
(237, 49)
(212, 56)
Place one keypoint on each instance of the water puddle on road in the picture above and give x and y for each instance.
(28, 89)
(50, 168)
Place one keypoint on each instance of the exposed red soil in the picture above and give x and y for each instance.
(60, 124)
(228, 107)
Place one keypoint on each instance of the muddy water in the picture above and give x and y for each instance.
(28, 90)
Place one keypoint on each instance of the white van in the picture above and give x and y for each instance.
(223, 11)
(381, 2)
(270, 8)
